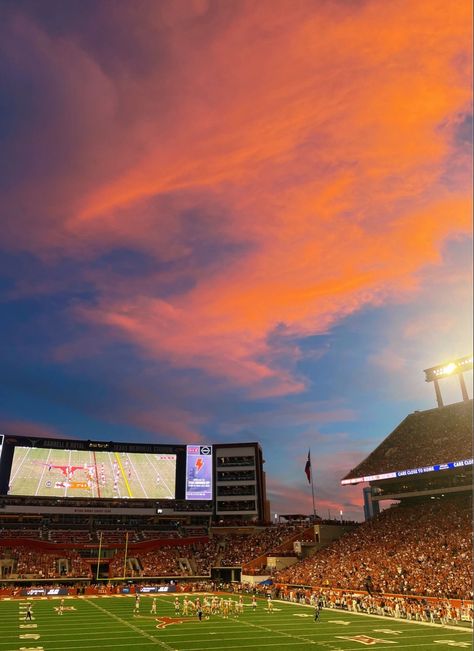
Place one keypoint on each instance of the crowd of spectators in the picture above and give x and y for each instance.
(433, 610)
(30, 563)
(420, 548)
(424, 438)
(239, 549)
(191, 558)
(163, 561)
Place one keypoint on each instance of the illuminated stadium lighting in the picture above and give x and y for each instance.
(454, 366)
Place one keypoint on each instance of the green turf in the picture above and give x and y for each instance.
(106, 623)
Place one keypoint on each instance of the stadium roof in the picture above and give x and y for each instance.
(423, 440)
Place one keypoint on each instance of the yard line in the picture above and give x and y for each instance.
(159, 474)
(21, 463)
(134, 628)
(42, 474)
(127, 485)
(96, 474)
(67, 478)
(138, 476)
(293, 637)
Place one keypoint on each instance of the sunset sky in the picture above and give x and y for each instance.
(234, 220)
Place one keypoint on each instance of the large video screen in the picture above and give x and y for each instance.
(47, 472)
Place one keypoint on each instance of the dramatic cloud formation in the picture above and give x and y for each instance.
(203, 189)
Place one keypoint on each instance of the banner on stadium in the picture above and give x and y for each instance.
(44, 592)
(149, 589)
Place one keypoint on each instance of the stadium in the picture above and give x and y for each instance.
(145, 546)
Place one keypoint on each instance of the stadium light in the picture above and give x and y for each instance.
(449, 368)
(452, 367)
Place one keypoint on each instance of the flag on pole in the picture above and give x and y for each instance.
(307, 467)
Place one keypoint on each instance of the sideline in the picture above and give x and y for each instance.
(461, 628)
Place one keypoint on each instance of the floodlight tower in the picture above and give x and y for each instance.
(453, 367)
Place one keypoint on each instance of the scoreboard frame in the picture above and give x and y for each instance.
(10, 443)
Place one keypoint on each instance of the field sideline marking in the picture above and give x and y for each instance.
(134, 628)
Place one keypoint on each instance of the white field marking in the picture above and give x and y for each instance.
(173, 464)
(134, 628)
(28, 625)
(29, 636)
(300, 638)
(373, 640)
(67, 478)
(128, 645)
(341, 622)
(137, 476)
(31, 648)
(91, 462)
(40, 483)
(301, 615)
(392, 619)
(259, 646)
(21, 463)
(112, 474)
(386, 631)
(150, 461)
(464, 645)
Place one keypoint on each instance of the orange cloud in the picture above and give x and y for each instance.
(318, 137)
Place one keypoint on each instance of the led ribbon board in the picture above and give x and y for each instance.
(412, 471)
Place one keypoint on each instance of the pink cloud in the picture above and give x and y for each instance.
(325, 164)
(29, 428)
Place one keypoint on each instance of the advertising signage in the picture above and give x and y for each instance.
(199, 472)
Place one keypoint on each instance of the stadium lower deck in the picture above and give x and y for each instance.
(105, 622)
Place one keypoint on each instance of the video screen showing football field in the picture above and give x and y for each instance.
(45, 472)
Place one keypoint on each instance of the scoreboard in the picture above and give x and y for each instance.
(61, 468)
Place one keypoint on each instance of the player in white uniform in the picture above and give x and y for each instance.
(153, 606)
(136, 610)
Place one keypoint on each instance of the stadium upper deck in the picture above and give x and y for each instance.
(424, 438)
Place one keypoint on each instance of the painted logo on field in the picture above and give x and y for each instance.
(163, 622)
(364, 639)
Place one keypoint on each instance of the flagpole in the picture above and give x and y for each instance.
(312, 491)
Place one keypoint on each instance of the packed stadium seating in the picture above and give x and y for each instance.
(31, 563)
(422, 439)
(422, 547)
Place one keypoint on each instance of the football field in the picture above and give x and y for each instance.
(107, 623)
